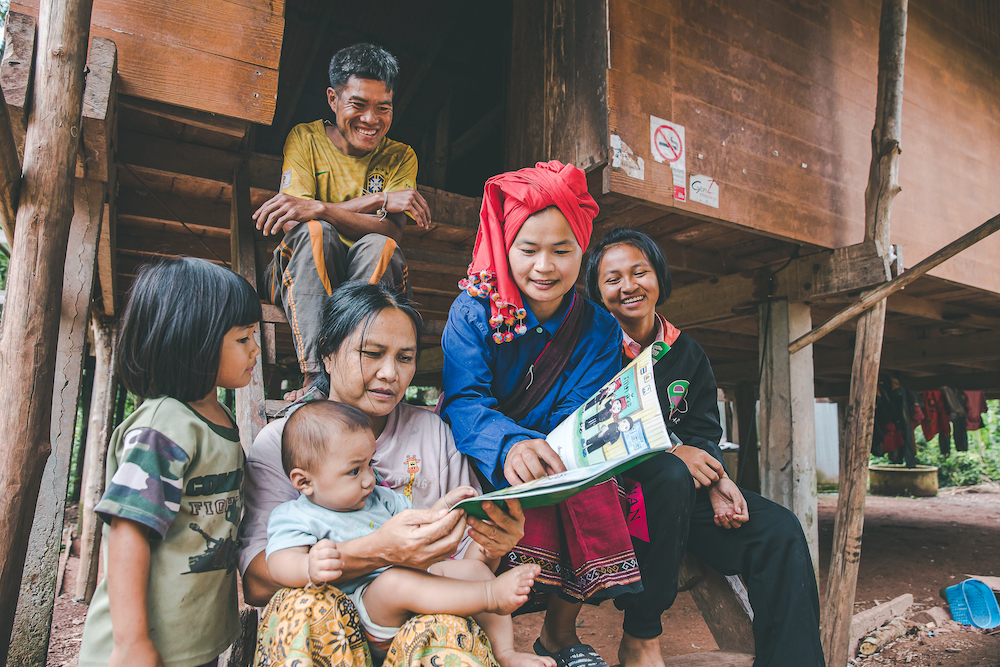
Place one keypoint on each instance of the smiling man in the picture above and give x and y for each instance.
(346, 193)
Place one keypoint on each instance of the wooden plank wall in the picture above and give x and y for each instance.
(219, 56)
(557, 97)
(777, 99)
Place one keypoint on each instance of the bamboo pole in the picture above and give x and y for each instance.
(883, 185)
(30, 323)
(98, 436)
(898, 283)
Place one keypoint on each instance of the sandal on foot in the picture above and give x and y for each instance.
(577, 655)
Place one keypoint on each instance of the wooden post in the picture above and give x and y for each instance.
(723, 602)
(30, 323)
(250, 417)
(883, 185)
(10, 172)
(102, 407)
(746, 422)
(30, 640)
(788, 416)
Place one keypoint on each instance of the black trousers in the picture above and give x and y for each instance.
(769, 552)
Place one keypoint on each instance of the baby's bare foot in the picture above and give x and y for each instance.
(510, 590)
(512, 658)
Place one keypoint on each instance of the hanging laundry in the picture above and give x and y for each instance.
(936, 420)
(975, 406)
(954, 402)
(892, 434)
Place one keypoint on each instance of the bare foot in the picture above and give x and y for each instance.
(510, 590)
(635, 652)
(296, 394)
(512, 658)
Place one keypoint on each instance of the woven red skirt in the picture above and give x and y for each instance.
(583, 546)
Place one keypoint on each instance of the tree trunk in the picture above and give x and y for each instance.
(883, 185)
(30, 323)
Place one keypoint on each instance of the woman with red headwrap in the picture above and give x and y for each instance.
(522, 350)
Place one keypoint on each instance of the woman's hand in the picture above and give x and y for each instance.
(729, 504)
(531, 459)
(501, 533)
(420, 538)
(704, 468)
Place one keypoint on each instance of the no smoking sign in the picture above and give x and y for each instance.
(666, 143)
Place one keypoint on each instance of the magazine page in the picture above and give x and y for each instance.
(621, 419)
(618, 427)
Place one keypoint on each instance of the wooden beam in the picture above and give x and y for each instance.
(883, 186)
(30, 639)
(98, 438)
(250, 417)
(233, 127)
(910, 355)
(723, 603)
(100, 109)
(878, 295)
(903, 304)
(806, 278)
(787, 417)
(34, 282)
(10, 173)
(17, 73)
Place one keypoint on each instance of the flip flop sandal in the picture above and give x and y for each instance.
(577, 655)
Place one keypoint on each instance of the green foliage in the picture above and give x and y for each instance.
(981, 463)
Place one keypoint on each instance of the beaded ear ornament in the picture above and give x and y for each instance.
(509, 320)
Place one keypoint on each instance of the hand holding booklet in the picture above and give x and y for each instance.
(618, 427)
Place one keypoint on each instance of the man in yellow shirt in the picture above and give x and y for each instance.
(346, 192)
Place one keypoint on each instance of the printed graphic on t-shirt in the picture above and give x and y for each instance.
(676, 394)
(218, 554)
(412, 467)
(376, 181)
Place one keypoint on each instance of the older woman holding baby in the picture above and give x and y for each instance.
(369, 347)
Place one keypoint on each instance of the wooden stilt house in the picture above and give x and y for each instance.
(735, 134)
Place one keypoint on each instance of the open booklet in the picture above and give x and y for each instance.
(618, 427)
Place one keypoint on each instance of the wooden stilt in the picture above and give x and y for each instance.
(250, 416)
(30, 639)
(30, 323)
(10, 172)
(746, 420)
(883, 185)
(788, 416)
(102, 407)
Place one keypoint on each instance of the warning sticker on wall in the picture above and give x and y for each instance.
(705, 190)
(666, 142)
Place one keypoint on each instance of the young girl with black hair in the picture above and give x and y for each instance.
(173, 498)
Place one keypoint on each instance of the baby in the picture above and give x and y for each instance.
(326, 450)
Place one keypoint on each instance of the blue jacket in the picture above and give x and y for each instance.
(480, 374)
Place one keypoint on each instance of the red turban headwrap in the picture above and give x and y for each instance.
(508, 200)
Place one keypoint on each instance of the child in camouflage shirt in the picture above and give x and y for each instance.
(175, 472)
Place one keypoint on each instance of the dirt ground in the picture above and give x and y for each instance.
(910, 545)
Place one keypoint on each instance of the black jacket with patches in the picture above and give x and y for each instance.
(695, 420)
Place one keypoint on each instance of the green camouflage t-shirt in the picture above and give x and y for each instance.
(181, 476)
